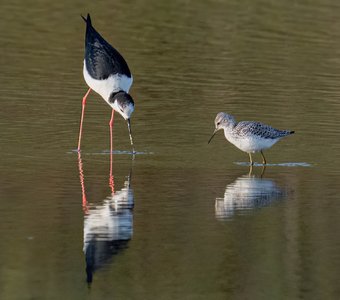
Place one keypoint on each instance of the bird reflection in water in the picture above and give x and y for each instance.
(247, 192)
(107, 227)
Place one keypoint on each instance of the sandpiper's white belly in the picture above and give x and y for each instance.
(113, 83)
(251, 143)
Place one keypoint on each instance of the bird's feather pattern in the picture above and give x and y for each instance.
(246, 128)
(102, 60)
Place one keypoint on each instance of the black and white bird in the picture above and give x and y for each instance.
(107, 73)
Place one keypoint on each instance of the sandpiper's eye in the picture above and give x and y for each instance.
(218, 123)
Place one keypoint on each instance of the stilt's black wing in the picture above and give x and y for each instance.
(102, 60)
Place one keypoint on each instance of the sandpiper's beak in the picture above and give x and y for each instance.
(130, 133)
(212, 135)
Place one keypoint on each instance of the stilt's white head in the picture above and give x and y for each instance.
(123, 103)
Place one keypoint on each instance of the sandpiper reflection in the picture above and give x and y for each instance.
(245, 193)
(108, 227)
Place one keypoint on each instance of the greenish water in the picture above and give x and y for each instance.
(196, 224)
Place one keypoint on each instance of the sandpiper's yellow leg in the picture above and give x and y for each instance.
(250, 170)
(264, 159)
(251, 160)
(263, 169)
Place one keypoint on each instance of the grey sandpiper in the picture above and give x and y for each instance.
(248, 136)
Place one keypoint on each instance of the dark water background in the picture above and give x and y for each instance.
(201, 226)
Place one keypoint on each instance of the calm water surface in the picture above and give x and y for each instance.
(182, 219)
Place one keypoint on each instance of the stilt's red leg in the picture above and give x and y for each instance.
(111, 180)
(82, 117)
(82, 184)
(111, 126)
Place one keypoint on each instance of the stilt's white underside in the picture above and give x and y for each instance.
(106, 87)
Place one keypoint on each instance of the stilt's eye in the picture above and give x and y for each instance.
(218, 123)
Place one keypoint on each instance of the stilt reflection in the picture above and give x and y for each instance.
(247, 192)
(107, 227)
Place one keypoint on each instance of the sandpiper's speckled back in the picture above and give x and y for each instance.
(246, 128)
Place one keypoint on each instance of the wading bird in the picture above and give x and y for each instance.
(248, 136)
(107, 73)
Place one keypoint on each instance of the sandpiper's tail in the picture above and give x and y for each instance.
(282, 133)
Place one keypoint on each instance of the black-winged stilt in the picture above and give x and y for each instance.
(107, 73)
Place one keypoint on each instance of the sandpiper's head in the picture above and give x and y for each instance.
(223, 120)
(123, 103)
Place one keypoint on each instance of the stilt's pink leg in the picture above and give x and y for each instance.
(82, 184)
(111, 180)
(82, 117)
(111, 126)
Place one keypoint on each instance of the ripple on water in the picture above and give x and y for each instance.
(287, 164)
(119, 152)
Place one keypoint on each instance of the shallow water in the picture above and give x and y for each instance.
(181, 219)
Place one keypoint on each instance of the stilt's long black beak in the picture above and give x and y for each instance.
(130, 132)
(212, 135)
